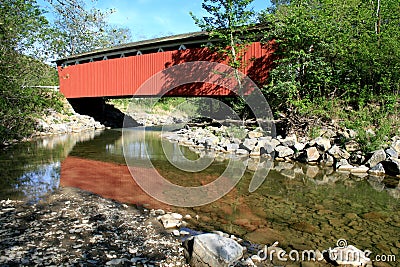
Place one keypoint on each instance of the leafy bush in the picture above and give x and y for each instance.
(333, 49)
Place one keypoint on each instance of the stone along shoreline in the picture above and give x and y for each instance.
(327, 150)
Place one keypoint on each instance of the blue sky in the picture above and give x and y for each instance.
(155, 18)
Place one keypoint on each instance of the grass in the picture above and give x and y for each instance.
(375, 122)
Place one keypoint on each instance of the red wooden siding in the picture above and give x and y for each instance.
(123, 76)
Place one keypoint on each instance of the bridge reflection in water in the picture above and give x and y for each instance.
(101, 168)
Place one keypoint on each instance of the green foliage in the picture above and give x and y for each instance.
(314, 132)
(334, 49)
(232, 23)
(22, 25)
(166, 105)
(27, 39)
(374, 124)
(382, 117)
(228, 21)
(81, 27)
(22, 28)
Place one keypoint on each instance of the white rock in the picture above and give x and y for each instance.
(312, 154)
(349, 255)
(323, 143)
(214, 250)
(171, 220)
(176, 233)
(299, 146)
(338, 153)
(284, 151)
(377, 157)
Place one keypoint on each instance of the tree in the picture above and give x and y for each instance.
(23, 31)
(231, 22)
(332, 48)
(27, 39)
(80, 29)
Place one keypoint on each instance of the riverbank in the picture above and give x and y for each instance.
(333, 148)
(73, 227)
(55, 123)
(65, 121)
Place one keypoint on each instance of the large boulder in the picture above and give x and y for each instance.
(214, 250)
(352, 146)
(338, 153)
(267, 146)
(396, 145)
(391, 153)
(284, 151)
(231, 148)
(312, 154)
(377, 170)
(298, 146)
(377, 157)
(322, 143)
(249, 144)
(289, 140)
(211, 140)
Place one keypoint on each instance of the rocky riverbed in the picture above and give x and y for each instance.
(72, 227)
(76, 228)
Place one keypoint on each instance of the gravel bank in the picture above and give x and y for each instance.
(76, 228)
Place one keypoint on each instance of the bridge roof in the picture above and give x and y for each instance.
(173, 42)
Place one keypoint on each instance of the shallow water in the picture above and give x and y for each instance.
(302, 207)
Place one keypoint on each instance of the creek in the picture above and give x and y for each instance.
(302, 207)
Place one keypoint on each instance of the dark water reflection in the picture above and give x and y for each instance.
(302, 207)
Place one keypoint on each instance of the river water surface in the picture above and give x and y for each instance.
(302, 207)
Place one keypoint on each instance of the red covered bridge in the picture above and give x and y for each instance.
(121, 70)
